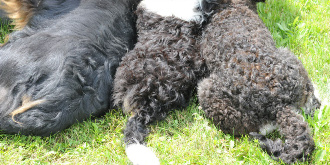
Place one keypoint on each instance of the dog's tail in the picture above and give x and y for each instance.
(20, 11)
(299, 143)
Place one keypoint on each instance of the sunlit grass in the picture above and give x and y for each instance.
(186, 137)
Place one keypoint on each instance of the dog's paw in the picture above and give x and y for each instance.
(273, 148)
(141, 155)
(260, 137)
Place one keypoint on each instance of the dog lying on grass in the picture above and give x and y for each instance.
(58, 68)
(254, 86)
(161, 72)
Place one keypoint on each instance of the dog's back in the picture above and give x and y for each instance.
(59, 68)
(253, 85)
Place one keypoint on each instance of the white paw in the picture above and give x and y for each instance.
(141, 155)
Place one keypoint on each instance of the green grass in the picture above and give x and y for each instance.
(4, 29)
(186, 137)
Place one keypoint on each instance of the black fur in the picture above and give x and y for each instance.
(252, 83)
(66, 57)
(159, 74)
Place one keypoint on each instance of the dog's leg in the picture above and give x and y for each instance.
(298, 144)
(220, 105)
(135, 133)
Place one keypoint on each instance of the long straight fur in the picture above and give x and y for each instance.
(59, 69)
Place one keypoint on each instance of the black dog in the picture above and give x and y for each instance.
(254, 86)
(58, 69)
(161, 72)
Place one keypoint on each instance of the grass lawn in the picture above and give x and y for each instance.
(186, 137)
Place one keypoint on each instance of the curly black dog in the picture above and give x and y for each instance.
(58, 69)
(161, 72)
(254, 86)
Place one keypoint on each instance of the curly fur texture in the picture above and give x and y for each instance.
(252, 83)
(60, 67)
(159, 74)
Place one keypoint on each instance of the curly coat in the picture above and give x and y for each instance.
(60, 67)
(159, 74)
(253, 84)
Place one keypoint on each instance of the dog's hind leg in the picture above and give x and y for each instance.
(135, 133)
(222, 106)
(298, 144)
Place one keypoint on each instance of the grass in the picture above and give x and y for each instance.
(186, 137)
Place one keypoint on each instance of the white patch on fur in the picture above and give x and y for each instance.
(182, 9)
(268, 128)
(308, 107)
(310, 104)
(141, 155)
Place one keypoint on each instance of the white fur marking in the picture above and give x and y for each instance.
(182, 9)
(268, 128)
(141, 155)
(310, 104)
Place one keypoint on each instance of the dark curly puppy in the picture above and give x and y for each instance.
(161, 72)
(253, 86)
(59, 68)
